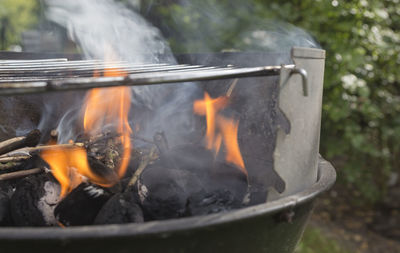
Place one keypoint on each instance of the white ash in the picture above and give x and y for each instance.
(94, 191)
(143, 191)
(48, 202)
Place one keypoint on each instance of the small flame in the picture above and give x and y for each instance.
(69, 166)
(220, 129)
(210, 107)
(107, 107)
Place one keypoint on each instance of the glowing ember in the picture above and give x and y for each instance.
(220, 129)
(104, 108)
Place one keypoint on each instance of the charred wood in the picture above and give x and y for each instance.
(146, 159)
(29, 140)
(81, 205)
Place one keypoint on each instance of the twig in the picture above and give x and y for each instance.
(30, 150)
(232, 87)
(30, 140)
(161, 142)
(18, 174)
(135, 137)
(14, 158)
(53, 136)
(143, 164)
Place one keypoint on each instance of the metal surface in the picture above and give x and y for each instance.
(260, 228)
(298, 146)
(25, 77)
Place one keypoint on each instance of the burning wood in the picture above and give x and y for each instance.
(29, 140)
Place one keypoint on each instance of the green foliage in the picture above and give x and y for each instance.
(15, 17)
(361, 109)
(314, 241)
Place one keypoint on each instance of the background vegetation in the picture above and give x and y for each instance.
(361, 109)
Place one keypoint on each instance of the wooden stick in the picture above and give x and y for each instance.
(30, 150)
(29, 140)
(232, 87)
(14, 158)
(53, 136)
(18, 174)
(143, 164)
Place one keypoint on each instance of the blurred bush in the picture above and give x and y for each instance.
(15, 17)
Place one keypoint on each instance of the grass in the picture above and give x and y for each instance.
(314, 241)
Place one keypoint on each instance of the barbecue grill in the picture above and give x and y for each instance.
(295, 177)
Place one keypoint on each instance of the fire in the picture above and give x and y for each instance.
(69, 166)
(210, 107)
(110, 107)
(220, 129)
(104, 108)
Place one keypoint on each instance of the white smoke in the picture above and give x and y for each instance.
(97, 25)
(104, 27)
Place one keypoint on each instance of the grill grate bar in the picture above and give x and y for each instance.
(12, 76)
(40, 61)
(27, 77)
(162, 75)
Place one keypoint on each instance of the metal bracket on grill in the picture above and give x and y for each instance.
(303, 74)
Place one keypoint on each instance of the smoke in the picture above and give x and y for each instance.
(105, 29)
(215, 26)
(97, 25)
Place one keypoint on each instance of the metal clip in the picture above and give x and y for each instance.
(304, 79)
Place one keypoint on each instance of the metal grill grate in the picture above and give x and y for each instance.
(36, 76)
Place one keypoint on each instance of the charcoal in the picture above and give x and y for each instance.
(177, 184)
(119, 209)
(193, 158)
(161, 196)
(28, 203)
(5, 214)
(81, 205)
(203, 202)
(225, 176)
(225, 190)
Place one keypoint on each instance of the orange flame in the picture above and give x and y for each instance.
(69, 166)
(110, 106)
(210, 107)
(103, 107)
(220, 129)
